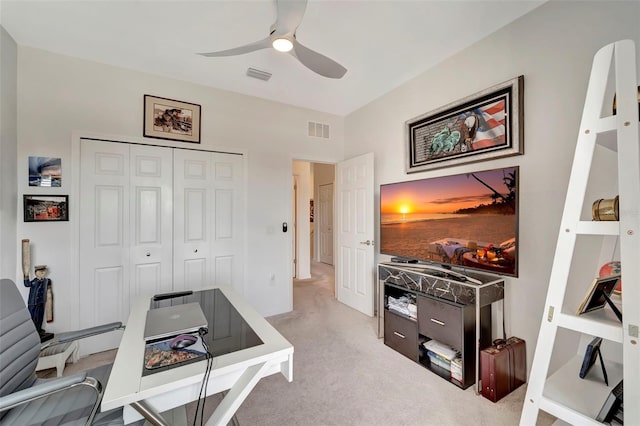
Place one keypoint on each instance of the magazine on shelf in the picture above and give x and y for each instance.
(161, 354)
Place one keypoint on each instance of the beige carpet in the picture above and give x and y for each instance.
(345, 375)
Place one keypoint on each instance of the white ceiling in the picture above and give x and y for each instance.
(382, 43)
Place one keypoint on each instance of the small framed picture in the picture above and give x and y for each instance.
(598, 295)
(46, 208)
(171, 119)
(45, 171)
(590, 355)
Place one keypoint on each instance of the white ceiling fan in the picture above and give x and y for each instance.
(282, 37)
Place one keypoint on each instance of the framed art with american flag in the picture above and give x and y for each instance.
(483, 126)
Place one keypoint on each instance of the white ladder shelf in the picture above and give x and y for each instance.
(563, 394)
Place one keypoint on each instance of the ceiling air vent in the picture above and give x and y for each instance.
(259, 74)
(319, 130)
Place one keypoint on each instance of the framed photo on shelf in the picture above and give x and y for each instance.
(599, 294)
(590, 355)
(171, 119)
(483, 126)
(46, 208)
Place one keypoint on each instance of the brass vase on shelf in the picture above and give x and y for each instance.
(605, 209)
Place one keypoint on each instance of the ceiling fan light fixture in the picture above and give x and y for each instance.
(282, 44)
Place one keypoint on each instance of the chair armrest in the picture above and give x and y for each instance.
(81, 334)
(50, 386)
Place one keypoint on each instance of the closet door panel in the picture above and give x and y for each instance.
(104, 240)
(108, 288)
(192, 220)
(228, 205)
(195, 274)
(148, 279)
(151, 185)
(224, 270)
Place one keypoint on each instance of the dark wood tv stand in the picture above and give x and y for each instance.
(453, 307)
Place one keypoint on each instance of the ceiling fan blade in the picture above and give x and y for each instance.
(316, 62)
(289, 15)
(251, 47)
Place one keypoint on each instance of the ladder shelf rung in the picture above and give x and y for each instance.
(601, 323)
(598, 227)
(565, 413)
(606, 133)
(607, 124)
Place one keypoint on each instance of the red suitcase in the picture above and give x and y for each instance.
(503, 368)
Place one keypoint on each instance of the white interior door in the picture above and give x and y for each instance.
(151, 211)
(125, 231)
(294, 228)
(208, 226)
(228, 221)
(192, 221)
(355, 246)
(104, 239)
(325, 219)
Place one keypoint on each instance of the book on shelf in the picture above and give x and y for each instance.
(438, 360)
(456, 369)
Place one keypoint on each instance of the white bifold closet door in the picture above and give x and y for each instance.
(209, 218)
(154, 220)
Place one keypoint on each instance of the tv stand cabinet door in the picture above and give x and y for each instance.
(401, 334)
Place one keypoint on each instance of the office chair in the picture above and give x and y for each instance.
(28, 400)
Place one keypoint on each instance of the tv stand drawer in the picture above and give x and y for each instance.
(440, 321)
(401, 334)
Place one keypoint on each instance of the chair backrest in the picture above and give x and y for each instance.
(19, 341)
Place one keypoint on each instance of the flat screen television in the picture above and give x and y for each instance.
(468, 220)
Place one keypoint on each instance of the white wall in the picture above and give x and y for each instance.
(9, 245)
(59, 95)
(553, 47)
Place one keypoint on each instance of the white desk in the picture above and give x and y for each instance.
(238, 372)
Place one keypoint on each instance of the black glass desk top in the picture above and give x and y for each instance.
(228, 331)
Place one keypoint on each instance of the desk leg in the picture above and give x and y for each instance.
(237, 394)
(149, 413)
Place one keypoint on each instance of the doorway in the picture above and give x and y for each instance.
(353, 215)
(313, 219)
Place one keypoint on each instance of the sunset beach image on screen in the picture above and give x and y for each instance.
(470, 220)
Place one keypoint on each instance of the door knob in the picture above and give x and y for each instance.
(195, 251)
(368, 243)
(148, 254)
